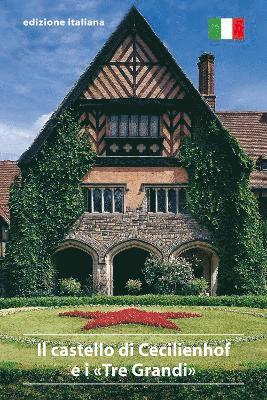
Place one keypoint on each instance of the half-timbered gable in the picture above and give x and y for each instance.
(136, 70)
(133, 81)
(172, 126)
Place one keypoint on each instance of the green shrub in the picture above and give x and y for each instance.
(144, 300)
(2, 280)
(133, 286)
(264, 232)
(198, 286)
(69, 287)
(168, 277)
(87, 287)
(254, 388)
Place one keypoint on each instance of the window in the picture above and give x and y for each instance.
(264, 165)
(166, 200)
(3, 240)
(134, 125)
(104, 199)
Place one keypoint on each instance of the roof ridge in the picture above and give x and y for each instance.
(103, 55)
(241, 112)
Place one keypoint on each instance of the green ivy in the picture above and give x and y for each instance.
(264, 232)
(44, 203)
(150, 300)
(47, 200)
(221, 201)
(12, 378)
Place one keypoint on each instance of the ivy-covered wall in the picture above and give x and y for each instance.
(44, 202)
(264, 231)
(47, 199)
(221, 201)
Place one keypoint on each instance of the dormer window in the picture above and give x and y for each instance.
(262, 163)
(134, 125)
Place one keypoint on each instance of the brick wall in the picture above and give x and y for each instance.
(166, 232)
(104, 236)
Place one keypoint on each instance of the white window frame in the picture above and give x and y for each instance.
(102, 188)
(139, 116)
(166, 188)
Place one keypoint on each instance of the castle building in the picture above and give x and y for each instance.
(136, 105)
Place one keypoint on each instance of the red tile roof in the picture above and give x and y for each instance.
(250, 128)
(8, 171)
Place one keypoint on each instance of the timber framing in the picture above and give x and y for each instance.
(132, 22)
(137, 161)
(135, 104)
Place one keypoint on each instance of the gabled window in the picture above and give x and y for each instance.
(134, 125)
(166, 199)
(104, 199)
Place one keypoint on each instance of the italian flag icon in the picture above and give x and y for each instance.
(226, 28)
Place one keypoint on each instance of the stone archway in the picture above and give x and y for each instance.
(121, 260)
(208, 260)
(127, 265)
(76, 259)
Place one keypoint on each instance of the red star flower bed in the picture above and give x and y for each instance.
(129, 316)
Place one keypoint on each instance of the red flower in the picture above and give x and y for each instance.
(129, 316)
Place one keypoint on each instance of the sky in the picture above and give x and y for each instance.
(39, 65)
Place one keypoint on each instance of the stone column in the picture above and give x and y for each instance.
(214, 274)
(102, 280)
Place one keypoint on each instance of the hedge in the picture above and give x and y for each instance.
(146, 300)
(12, 379)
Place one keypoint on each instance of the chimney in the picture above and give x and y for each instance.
(206, 78)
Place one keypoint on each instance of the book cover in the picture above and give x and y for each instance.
(133, 199)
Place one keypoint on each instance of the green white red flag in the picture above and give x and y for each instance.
(226, 28)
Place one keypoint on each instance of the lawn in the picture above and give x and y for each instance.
(246, 349)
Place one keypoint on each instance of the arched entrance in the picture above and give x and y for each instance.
(75, 260)
(127, 265)
(204, 260)
(74, 263)
(125, 261)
